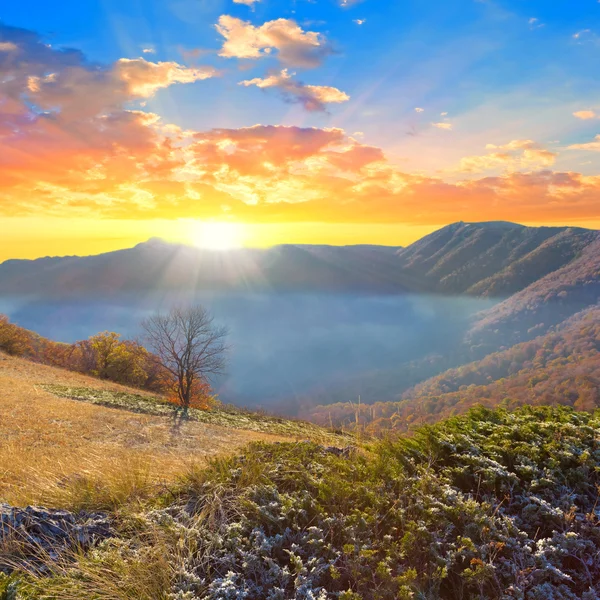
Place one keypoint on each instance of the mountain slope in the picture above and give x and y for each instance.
(491, 259)
(561, 367)
(156, 265)
(478, 259)
(543, 304)
(63, 449)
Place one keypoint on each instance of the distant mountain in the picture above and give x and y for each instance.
(369, 321)
(494, 259)
(158, 265)
(543, 304)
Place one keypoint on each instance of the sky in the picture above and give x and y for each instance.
(257, 122)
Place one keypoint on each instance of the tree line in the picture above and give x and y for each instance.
(180, 354)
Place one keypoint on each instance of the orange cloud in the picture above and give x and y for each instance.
(312, 97)
(70, 147)
(295, 47)
(585, 114)
(593, 146)
(517, 154)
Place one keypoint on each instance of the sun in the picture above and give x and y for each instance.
(218, 235)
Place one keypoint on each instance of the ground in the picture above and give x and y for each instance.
(54, 450)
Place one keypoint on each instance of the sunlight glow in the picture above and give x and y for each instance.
(216, 235)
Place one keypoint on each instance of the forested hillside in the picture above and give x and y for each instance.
(491, 259)
(561, 367)
(543, 304)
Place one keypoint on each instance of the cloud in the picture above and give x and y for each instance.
(359, 21)
(311, 97)
(294, 46)
(534, 23)
(419, 110)
(593, 146)
(446, 126)
(581, 34)
(515, 155)
(148, 50)
(246, 2)
(72, 145)
(585, 114)
(8, 47)
(144, 78)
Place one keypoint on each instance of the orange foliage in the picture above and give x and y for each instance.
(561, 367)
(202, 396)
(104, 355)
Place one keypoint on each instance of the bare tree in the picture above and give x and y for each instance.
(190, 347)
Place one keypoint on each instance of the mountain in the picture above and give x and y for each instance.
(158, 265)
(360, 320)
(543, 304)
(493, 259)
(561, 367)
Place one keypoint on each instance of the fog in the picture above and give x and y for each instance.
(282, 344)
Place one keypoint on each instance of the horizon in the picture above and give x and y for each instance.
(257, 122)
(201, 247)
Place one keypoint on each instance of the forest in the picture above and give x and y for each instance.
(561, 367)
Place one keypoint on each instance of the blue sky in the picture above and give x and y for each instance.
(497, 73)
(405, 113)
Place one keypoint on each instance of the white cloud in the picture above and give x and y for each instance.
(312, 97)
(294, 46)
(360, 21)
(419, 110)
(446, 126)
(581, 33)
(246, 2)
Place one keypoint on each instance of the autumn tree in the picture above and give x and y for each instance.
(191, 348)
(14, 339)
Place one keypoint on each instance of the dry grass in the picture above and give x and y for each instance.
(70, 454)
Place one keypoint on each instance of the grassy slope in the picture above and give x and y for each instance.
(489, 506)
(62, 452)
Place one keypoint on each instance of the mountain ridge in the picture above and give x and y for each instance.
(488, 259)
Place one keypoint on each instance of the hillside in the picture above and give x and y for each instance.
(561, 367)
(59, 448)
(543, 304)
(157, 265)
(490, 506)
(491, 259)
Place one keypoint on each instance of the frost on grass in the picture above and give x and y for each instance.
(467, 509)
(230, 417)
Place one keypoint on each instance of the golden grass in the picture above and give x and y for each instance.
(70, 454)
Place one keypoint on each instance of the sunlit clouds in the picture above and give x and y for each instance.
(585, 114)
(594, 145)
(291, 44)
(92, 140)
(311, 97)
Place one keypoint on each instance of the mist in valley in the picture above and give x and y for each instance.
(283, 346)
